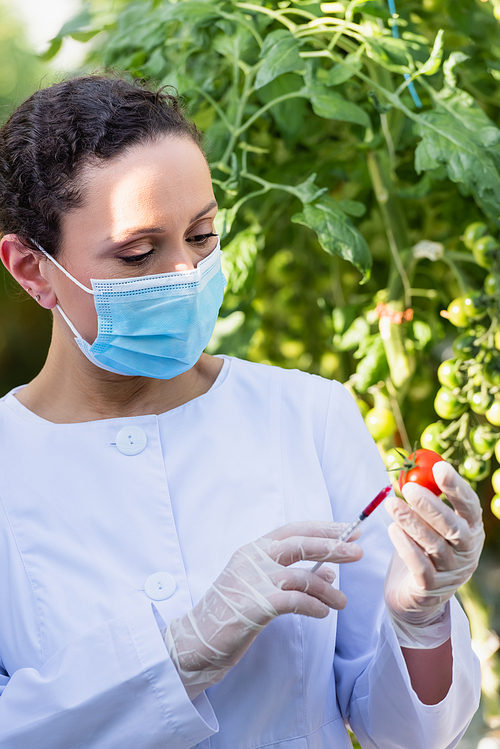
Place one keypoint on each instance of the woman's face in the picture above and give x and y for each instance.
(148, 211)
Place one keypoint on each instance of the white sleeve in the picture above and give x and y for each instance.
(113, 687)
(373, 686)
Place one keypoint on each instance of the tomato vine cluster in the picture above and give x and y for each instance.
(468, 401)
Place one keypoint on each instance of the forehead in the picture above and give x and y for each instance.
(164, 180)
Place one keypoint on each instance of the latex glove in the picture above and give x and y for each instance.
(437, 550)
(256, 586)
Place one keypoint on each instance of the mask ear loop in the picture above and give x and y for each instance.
(71, 278)
(89, 291)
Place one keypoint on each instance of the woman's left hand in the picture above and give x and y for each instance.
(437, 547)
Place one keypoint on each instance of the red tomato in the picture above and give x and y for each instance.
(418, 468)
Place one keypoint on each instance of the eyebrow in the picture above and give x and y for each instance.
(160, 229)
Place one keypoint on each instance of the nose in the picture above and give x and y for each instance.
(184, 259)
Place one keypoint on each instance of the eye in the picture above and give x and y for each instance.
(200, 240)
(137, 259)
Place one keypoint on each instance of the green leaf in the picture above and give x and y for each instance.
(389, 52)
(432, 65)
(280, 52)
(290, 114)
(84, 36)
(156, 64)
(352, 207)
(448, 67)
(79, 22)
(307, 191)
(224, 221)
(422, 333)
(336, 233)
(238, 259)
(445, 143)
(419, 190)
(373, 367)
(343, 71)
(371, 7)
(332, 106)
(54, 47)
(193, 12)
(353, 336)
(463, 107)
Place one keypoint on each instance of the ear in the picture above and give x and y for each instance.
(29, 269)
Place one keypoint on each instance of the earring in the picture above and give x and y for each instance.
(37, 297)
(28, 289)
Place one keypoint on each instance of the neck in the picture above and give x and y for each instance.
(69, 389)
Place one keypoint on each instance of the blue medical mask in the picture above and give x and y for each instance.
(153, 326)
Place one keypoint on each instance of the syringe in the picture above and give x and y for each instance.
(345, 535)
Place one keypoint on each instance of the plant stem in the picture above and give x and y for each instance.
(397, 414)
(462, 285)
(382, 195)
(277, 15)
(236, 131)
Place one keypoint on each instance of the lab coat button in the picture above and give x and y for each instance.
(131, 440)
(160, 586)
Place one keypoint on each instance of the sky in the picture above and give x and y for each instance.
(43, 19)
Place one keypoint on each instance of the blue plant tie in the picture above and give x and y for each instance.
(395, 33)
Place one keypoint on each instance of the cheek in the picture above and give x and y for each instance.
(79, 307)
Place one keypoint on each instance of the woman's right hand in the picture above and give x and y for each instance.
(256, 586)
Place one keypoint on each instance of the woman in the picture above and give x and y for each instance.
(136, 473)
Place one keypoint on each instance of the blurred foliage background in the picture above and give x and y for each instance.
(352, 145)
(25, 329)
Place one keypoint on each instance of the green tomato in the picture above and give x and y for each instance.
(491, 371)
(429, 439)
(484, 250)
(497, 451)
(474, 305)
(464, 346)
(380, 422)
(479, 401)
(495, 481)
(483, 440)
(457, 312)
(394, 459)
(493, 413)
(495, 506)
(497, 339)
(475, 469)
(491, 285)
(447, 405)
(448, 374)
(473, 232)
(363, 406)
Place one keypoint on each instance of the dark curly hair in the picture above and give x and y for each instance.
(59, 130)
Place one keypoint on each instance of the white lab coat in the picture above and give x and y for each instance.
(83, 525)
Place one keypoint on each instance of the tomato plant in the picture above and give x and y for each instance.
(483, 440)
(493, 412)
(457, 312)
(495, 506)
(432, 439)
(449, 374)
(495, 481)
(475, 469)
(418, 469)
(473, 232)
(380, 422)
(484, 250)
(447, 405)
(394, 459)
(479, 401)
(358, 183)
